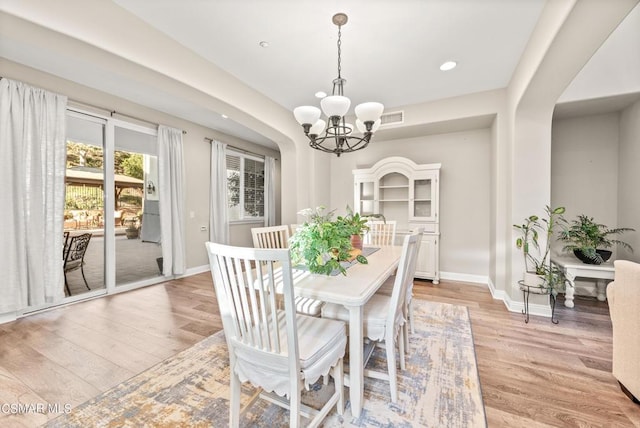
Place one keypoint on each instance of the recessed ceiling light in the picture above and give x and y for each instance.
(224, 116)
(264, 44)
(449, 65)
(321, 94)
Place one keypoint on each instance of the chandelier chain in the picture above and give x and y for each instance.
(339, 51)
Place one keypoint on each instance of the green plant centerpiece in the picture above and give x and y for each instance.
(589, 239)
(540, 271)
(321, 243)
(356, 225)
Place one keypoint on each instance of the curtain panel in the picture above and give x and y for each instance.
(32, 173)
(218, 210)
(172, 200)
(270, 191)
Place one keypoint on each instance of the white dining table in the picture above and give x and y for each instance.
(352, 291)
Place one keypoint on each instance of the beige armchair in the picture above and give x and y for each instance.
(624, 307)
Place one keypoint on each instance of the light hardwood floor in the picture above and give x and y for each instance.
(532, 375)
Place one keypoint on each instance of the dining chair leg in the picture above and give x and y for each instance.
(401, 348)
(234, 400)
(294, 408)
(338, 380)
(411, 317)
(391, 368)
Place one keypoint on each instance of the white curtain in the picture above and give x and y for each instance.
(32, 168)
(171, 196)
(218, 211)
(269, 191)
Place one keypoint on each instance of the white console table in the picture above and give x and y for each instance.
(574, 268)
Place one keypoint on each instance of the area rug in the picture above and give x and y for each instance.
(440, 387)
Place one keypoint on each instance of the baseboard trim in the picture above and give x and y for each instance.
(464, 277)
(194, 271)
(8, 317)
(543, 310)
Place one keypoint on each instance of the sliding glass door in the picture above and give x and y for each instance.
(111, 206)
(84, 250)
(138, 254)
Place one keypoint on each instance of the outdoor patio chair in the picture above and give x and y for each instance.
(74, 257)
(66, 243)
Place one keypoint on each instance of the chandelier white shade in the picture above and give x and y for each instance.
(339, 136)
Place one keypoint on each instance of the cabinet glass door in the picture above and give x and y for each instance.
(365, 197)
(423, 206)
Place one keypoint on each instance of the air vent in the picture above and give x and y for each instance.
(392, 118)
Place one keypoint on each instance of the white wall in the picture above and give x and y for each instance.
(584, 166)
(464, 190)
(594, 171)
(629, 179)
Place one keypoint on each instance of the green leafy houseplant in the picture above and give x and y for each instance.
(321, 243)
(356, 225)
(537, 260)
(586, 238)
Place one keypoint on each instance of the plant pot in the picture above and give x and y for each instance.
(356, 242)
(131, 233)
(604, 254)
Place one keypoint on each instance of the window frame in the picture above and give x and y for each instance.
(243, 156)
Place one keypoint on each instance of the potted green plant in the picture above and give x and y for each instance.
(589, 240)
(356, 225)
(132, 230)
(321, 243)
(539, 270)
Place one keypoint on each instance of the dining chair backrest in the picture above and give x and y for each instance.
(411, 273)
(404, 276)
(381, 232)
(262, 339)
(292, 228)
(278, 237)
(245, 281)
(270, 236)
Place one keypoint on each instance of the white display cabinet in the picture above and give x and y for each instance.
(407, 192)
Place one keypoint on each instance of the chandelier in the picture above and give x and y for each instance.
(338, 137)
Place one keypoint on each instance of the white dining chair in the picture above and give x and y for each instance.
(387, 289)
(270, 236)
(383, 317)
(279, 351)
(380, 233)
(278, 237)
(292, 228)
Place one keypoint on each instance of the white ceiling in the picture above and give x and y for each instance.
(391, 50)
